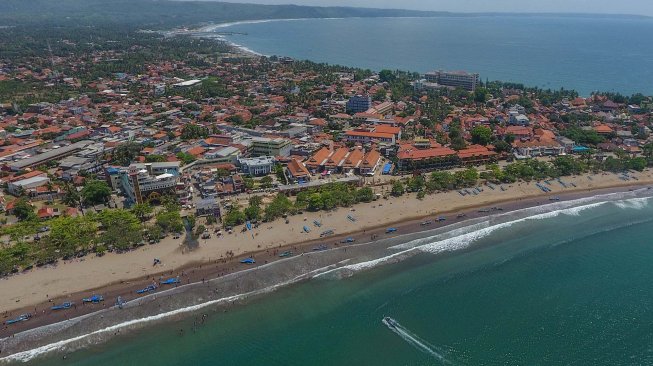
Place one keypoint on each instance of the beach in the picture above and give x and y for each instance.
(115, 275)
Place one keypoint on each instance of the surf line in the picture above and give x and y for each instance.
(414, 340)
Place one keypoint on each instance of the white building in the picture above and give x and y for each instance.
(259, 166)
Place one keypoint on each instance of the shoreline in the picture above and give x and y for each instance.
(240, 282)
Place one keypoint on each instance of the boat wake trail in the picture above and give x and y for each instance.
(412, 339)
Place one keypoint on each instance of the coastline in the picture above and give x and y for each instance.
(223, 282)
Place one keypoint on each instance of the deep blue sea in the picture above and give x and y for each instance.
(586, 54)
(560, 284)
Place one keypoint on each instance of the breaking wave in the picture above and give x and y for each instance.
(463, 237)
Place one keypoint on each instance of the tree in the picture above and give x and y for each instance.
(23, 210)
(126, 152)
(397, 189)
(440, 181)
(502, 146)
(170, 221)
(315, 202)
(71, 196)
(96, 192)
(71, 234)
(387, 76)
(234, 217)
(481, 135)
(186, 158)
(248, 182)
(266, 182)
(122, 229)
(193, 131)
(253, 212)
(279, 206)
(142, 211)
(480, 95)
(365, 194)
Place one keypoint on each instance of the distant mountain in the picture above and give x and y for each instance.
(168, 13)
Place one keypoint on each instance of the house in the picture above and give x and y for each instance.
(370, 163)
(297, 172)
(543, 143)
(476, 155)
(413, 159)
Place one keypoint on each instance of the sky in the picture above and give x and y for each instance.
(638, 7)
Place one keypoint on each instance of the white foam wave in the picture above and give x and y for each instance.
(633, 203)
(463, 237)
(29, 355)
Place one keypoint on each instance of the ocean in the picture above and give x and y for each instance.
(566, 283)
(586, 54)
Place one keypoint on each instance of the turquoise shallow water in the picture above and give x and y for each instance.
(579, 53)
(563, 288)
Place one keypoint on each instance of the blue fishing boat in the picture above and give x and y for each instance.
(149, 288)
(248, 261)
(351, 218)
(248, 224)
(94, 299)
(326, 233)
(348, 240)
(307, 229)
(65, 305)
(554, 199)
(285, 254)
(20, 318)
(442, 218)
(317, 223)
(390, 230)
(171, 281)
(320, 248)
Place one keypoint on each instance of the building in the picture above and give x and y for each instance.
(413, 159)
(27, 186)
(476, 155)
(54, 154)
(456, 79)
(258, 166)
(297, 172)
(543, 143)
(141, 182)
(359, 103)
(366, 136)
(370, 163)
(263, 146)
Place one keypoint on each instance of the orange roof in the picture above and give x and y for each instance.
(475, 150)
(319, 157)
(603, 129)
(337, 157)
(418, 154)
(196, 151)
(371, 159)
(354, 159)
(387, 129)
(297, 169)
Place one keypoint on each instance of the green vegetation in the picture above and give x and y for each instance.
(111, 229)
(330, 196)
(96, 192)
